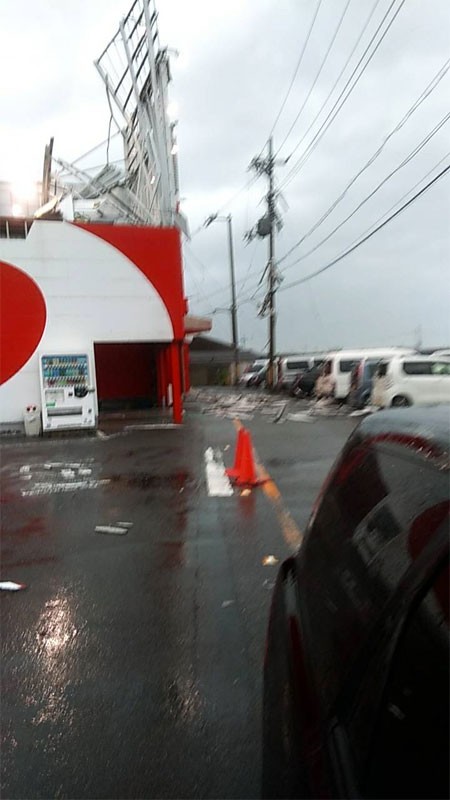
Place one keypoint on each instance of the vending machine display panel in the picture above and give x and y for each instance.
(68, 397)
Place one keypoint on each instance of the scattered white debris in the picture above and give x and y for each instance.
(11, 586)
(24, 469)
(68, 473)
(54, 488)
(227, 447)
(116, 531)
(269, 561)
(152, 426)
(101, 435)
(84, 472)
(360, 412)
(300, 416)
(227, 603)
(280, 411)
(216, 477)
(125, 524)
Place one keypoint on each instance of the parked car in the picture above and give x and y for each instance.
(411, 380)
(441, 353)
(361, 378)
(255, 373)
(335, 380)
(304, 384)
(356, 676)
(292, 367)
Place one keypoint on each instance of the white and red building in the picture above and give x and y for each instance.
(114, 292)
(91, 271)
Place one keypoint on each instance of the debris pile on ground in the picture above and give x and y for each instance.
(245, 405)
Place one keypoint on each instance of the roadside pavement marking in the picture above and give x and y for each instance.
(216, 478)
(292, 534)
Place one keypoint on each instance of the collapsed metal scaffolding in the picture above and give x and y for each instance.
(136, 72)
(144, 189)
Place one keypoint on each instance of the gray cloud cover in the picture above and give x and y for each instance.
(237, 60)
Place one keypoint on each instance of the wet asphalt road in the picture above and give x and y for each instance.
(132, 665)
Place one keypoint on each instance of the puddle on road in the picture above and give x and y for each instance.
(147, 480)
(171, 555)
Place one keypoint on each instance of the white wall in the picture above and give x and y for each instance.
(93, 293)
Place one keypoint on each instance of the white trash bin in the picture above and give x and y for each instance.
(32, 420)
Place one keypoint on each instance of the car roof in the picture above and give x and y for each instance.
(431, 424)
(415, 357)
(371, 352)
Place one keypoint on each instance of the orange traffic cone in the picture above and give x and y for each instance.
(234, 471)
(245, 473)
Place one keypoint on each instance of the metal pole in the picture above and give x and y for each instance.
(272, 286)
(234, 325)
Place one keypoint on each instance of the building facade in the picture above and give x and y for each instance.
(113, 292)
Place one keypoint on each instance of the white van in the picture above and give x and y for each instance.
(338, 366)
(412, 380)
(289, 367)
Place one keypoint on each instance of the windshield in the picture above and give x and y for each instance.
(254, 367)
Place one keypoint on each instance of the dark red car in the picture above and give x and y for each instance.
(356, 683)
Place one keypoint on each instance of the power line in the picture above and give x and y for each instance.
(364, 28)
(332, 116)
(427, 91)
(190, 258)
(368, 236)
(302, 53)
(345, 66)
(421, 180)
(228, 203)
(248, 273)
(362, 237)
(405, 161)
(258, 287)
(336, 31)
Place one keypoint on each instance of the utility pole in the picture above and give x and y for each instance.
(267, 226)
(233, 309)
(234, 326)
(271, 270)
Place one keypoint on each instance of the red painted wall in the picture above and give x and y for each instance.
(157, 253)
(23, 317)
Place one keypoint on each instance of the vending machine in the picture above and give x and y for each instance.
(67, 391)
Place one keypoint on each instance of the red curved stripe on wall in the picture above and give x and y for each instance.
(157, 253)
(23, 318)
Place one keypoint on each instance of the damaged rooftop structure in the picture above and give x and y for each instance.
(94, 316)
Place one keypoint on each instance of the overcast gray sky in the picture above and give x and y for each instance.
(236, 63)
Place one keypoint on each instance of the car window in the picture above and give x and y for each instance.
(382, 369)
(254, 367)
(347, 366)
(417, 367)
(297, 364)
(371, 369)
(440, 368)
